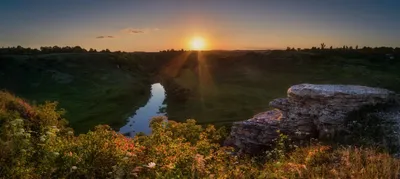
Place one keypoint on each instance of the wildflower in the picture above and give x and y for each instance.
(74, 167)
(129, 154)
(200, 161)
(151, 165)
(56, 153)
(42, 138)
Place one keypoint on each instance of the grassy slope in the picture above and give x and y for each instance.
(91, 87)
(232, 86)
(225, 86)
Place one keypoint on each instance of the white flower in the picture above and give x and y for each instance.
(56, 153)
(74, 167)
(151, 165)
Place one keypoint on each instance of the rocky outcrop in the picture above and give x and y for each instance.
(309, 111)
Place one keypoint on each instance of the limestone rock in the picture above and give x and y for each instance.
(251, 135)
(309, 111)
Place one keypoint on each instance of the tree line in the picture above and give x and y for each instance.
(323, 47)
(47, 50)
(19, 50)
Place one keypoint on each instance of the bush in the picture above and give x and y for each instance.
(36, 143)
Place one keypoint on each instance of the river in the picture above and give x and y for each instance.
(140, 121)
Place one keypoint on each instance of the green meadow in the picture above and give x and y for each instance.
(213, 87)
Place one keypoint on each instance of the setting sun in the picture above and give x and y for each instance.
(197, 43)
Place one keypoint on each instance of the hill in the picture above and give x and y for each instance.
(213, 87)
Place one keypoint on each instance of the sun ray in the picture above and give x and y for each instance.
(174, 66)
(206, 82)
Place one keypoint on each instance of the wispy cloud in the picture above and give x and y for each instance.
(130, 30)
(105, 37)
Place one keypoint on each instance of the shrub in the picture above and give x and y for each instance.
(36, 143)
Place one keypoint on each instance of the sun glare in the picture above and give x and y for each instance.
(197, 43)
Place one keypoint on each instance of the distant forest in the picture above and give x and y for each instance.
(19, 50)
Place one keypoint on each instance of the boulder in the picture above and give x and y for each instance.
(309, 111)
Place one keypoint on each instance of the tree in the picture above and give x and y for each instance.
(323, 46)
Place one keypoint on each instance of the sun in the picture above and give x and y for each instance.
(197, 43)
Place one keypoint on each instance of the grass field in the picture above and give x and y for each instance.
(231, 86)
(225, 86)
(92, 88)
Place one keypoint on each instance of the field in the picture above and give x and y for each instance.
(232, 86)
(92, 88)
(213, 87)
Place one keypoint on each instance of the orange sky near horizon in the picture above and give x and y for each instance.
(225, 25)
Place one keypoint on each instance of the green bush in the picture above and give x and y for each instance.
(36, 143)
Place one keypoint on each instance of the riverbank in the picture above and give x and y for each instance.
(93, 88)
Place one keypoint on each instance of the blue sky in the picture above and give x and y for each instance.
(152, 25)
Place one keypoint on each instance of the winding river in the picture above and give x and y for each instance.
(141, 120)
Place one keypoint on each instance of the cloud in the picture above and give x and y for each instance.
(138, 31)
(105, 37)
(134, 31)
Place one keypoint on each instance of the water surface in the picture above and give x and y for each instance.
(140, 121)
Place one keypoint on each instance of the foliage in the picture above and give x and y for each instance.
(36, 143)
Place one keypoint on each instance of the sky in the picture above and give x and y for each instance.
(153, 25)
